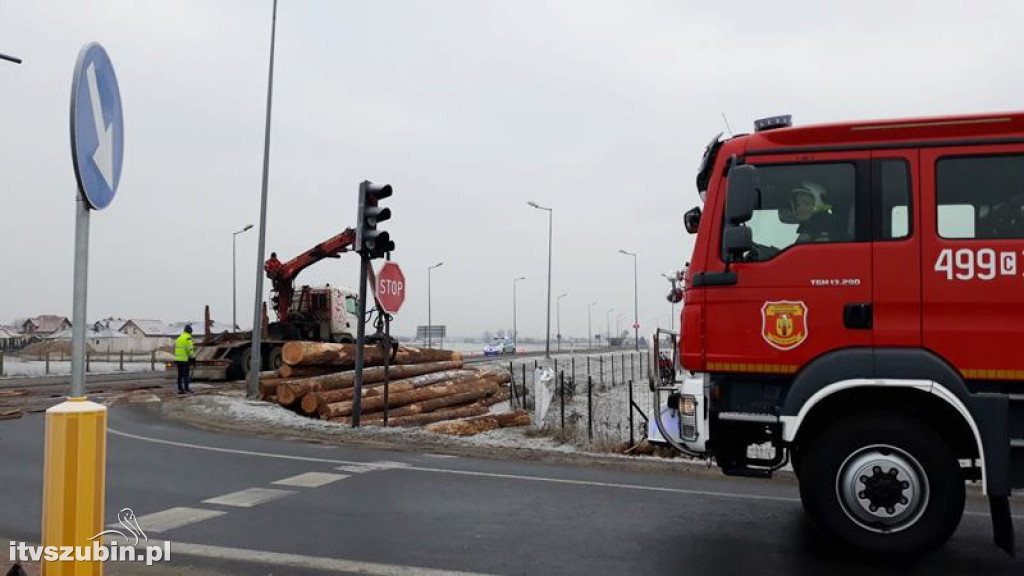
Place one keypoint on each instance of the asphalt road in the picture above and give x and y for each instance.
(355, 510)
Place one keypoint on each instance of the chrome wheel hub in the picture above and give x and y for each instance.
(882, 488)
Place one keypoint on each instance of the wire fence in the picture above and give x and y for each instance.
(58, 358)
(601, 400)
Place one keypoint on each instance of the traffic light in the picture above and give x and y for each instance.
(370, 241)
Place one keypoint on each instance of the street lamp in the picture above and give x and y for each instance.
(547, 339)
(672, 317)
(618, 325)
(234, 281)
(430, 322)
(558, 329)
(608, 325)
(255, 362)
(590, 327)
(10, 58)
(636, 306)
(515, 330)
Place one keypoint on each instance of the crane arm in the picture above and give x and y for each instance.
(282, 275)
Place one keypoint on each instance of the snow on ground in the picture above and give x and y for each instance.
(609, 406)
(15, 367)
(608, 375)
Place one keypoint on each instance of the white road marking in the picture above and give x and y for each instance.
(354, 469)
(230, 450)
(310, 480)
(299, 562)
(385, 465)
(507, 476)
(174, 518)
(598, 484)
(249, 497)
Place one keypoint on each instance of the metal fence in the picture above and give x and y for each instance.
(600, 400)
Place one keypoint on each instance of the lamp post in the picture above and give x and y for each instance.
(234, 279)
(558, 326)
(515, 330)
(430, 321)
(608, 325)
(672, 317)
(547, 336)
(618, 325)
(636, 301)
(590, 327)
(255, 363)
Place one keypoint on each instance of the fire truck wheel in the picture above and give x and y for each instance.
(274, 360)
(882, 483)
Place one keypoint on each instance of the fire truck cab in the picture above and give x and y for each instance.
(855, 303)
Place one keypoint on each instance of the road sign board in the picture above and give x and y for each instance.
(636, 326)
(390, 287)
(434, 331)
(97, 127)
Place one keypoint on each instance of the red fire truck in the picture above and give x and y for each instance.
(854, 308)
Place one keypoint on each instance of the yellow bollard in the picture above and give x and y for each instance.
(73, 481)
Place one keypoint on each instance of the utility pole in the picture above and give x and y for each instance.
(547, 336)
(256, 362)
(590, 326)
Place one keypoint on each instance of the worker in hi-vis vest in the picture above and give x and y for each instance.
(184, 356)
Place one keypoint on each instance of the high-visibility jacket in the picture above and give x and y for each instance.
(183, 348)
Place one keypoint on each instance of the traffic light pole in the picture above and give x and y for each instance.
(357, 392)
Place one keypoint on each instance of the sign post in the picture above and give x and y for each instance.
(76, 430)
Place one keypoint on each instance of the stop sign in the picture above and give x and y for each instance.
(390, 287)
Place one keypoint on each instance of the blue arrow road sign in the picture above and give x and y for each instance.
(97, 127)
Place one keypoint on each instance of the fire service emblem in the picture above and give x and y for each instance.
(784, 324)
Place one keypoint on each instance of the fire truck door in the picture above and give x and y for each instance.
(973, 258)
(805, 288)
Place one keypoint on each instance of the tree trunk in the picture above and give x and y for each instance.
(313, 402)
(268, 388)
(412, 409)
(344, 355)
(476, 425)
(437, 416)
(376, 403)
(340, 380)
(286, 371)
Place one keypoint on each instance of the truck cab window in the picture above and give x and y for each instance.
(981, 197)
(892, 177)
(802, 204)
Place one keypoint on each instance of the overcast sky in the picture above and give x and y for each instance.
(469, 109)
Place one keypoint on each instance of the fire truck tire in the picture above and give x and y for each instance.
(274, 360)
(882, 483)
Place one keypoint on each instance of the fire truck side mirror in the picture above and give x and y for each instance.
(742, 194)
(692, 220)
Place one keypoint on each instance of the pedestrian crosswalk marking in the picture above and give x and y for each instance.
(310, 480)
(173, 518)
(249, 497)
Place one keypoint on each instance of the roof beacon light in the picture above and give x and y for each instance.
(772, 123)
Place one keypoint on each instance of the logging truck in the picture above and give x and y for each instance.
(853, 309)
(320, 314)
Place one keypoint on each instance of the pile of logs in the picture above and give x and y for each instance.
(424, 385)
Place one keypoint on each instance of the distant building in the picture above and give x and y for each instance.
(45, 325)
(11, 338)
